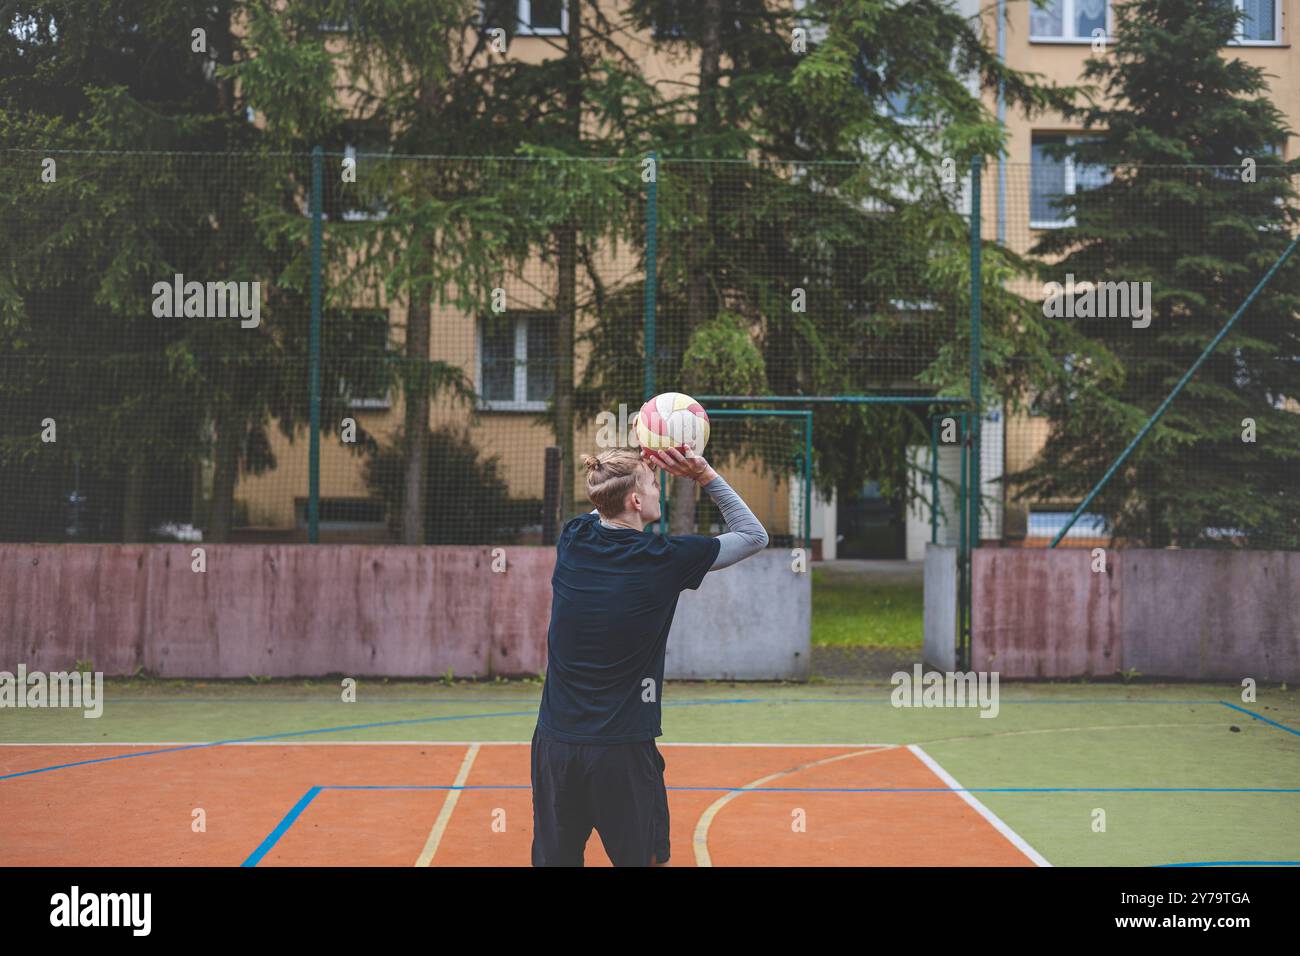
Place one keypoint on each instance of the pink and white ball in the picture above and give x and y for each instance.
(672, 420)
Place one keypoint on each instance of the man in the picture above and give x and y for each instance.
(614, 592)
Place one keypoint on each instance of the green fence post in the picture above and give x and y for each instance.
(648, 319)
(963, 550)
(977, 408)
(651, 265)
(934, 478)
(313, 448)
(807, 484)
(975, 310)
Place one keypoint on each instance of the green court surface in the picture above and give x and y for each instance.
(1183, 773)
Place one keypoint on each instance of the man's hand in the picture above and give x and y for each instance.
(690, 465)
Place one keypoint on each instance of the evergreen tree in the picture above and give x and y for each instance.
(446, 82)
(878, 91)
(135, 397)
(1195, 204)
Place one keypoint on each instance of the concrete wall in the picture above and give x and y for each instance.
(940, 642)
(1181, 614)
(1038, 613)
(275, 610)
(1213, 614)
(918, 510)
(287, 611)
(752, 621)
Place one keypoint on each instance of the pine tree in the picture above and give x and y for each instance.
(1195, 204)
(443, 82)
(821, 185)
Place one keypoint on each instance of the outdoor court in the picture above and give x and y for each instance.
(758, 775)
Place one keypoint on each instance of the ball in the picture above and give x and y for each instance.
(672, 420)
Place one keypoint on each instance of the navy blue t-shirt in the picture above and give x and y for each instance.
(613, 596)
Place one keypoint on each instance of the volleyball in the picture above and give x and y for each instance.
(672, 420)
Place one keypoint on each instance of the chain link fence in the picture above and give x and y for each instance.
(483, 322)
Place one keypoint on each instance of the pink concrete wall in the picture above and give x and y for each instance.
(275, 610)
(1038, 613)
(1197, 615)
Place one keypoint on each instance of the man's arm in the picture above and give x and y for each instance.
(745, 535)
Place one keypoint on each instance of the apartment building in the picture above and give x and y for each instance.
(512, 365)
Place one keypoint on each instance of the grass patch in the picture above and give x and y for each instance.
(866, 610)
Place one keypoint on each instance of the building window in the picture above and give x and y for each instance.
(364, 207)
(361, 338)
(1260, 24)
(1067, 20)
(1051, 178)
(898, 101)
(516, 362)
(669, 18)
(526, 17)
(361, 200)
(346, 24)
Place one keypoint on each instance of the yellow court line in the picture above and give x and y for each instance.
(701, 837)
(448, 806)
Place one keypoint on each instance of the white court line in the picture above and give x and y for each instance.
(1016, 839)
(448, 806)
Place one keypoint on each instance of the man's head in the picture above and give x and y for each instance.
(622, 485)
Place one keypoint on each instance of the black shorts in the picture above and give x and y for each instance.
(617, 789)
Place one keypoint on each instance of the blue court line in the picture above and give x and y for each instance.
(273, 837)
(524, 786)
(325, 702)
(283, 827)
(321, 730)
(519, 713)
(1251, 713)
(241, 740)
(1235, 863)
(1004, 701)
(322, 701)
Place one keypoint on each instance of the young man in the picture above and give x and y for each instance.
(614, 592)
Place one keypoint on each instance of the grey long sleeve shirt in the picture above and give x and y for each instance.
(745, 534)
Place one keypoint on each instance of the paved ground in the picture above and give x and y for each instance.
(892, 570)
(861, 663)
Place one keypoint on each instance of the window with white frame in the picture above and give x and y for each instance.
(1261, 23)
(531, 17)
(516, 362)
(1067, 20)
(1051, 178)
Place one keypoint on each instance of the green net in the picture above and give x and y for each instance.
(482, 320)
(485, 322)
(1135, 271)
